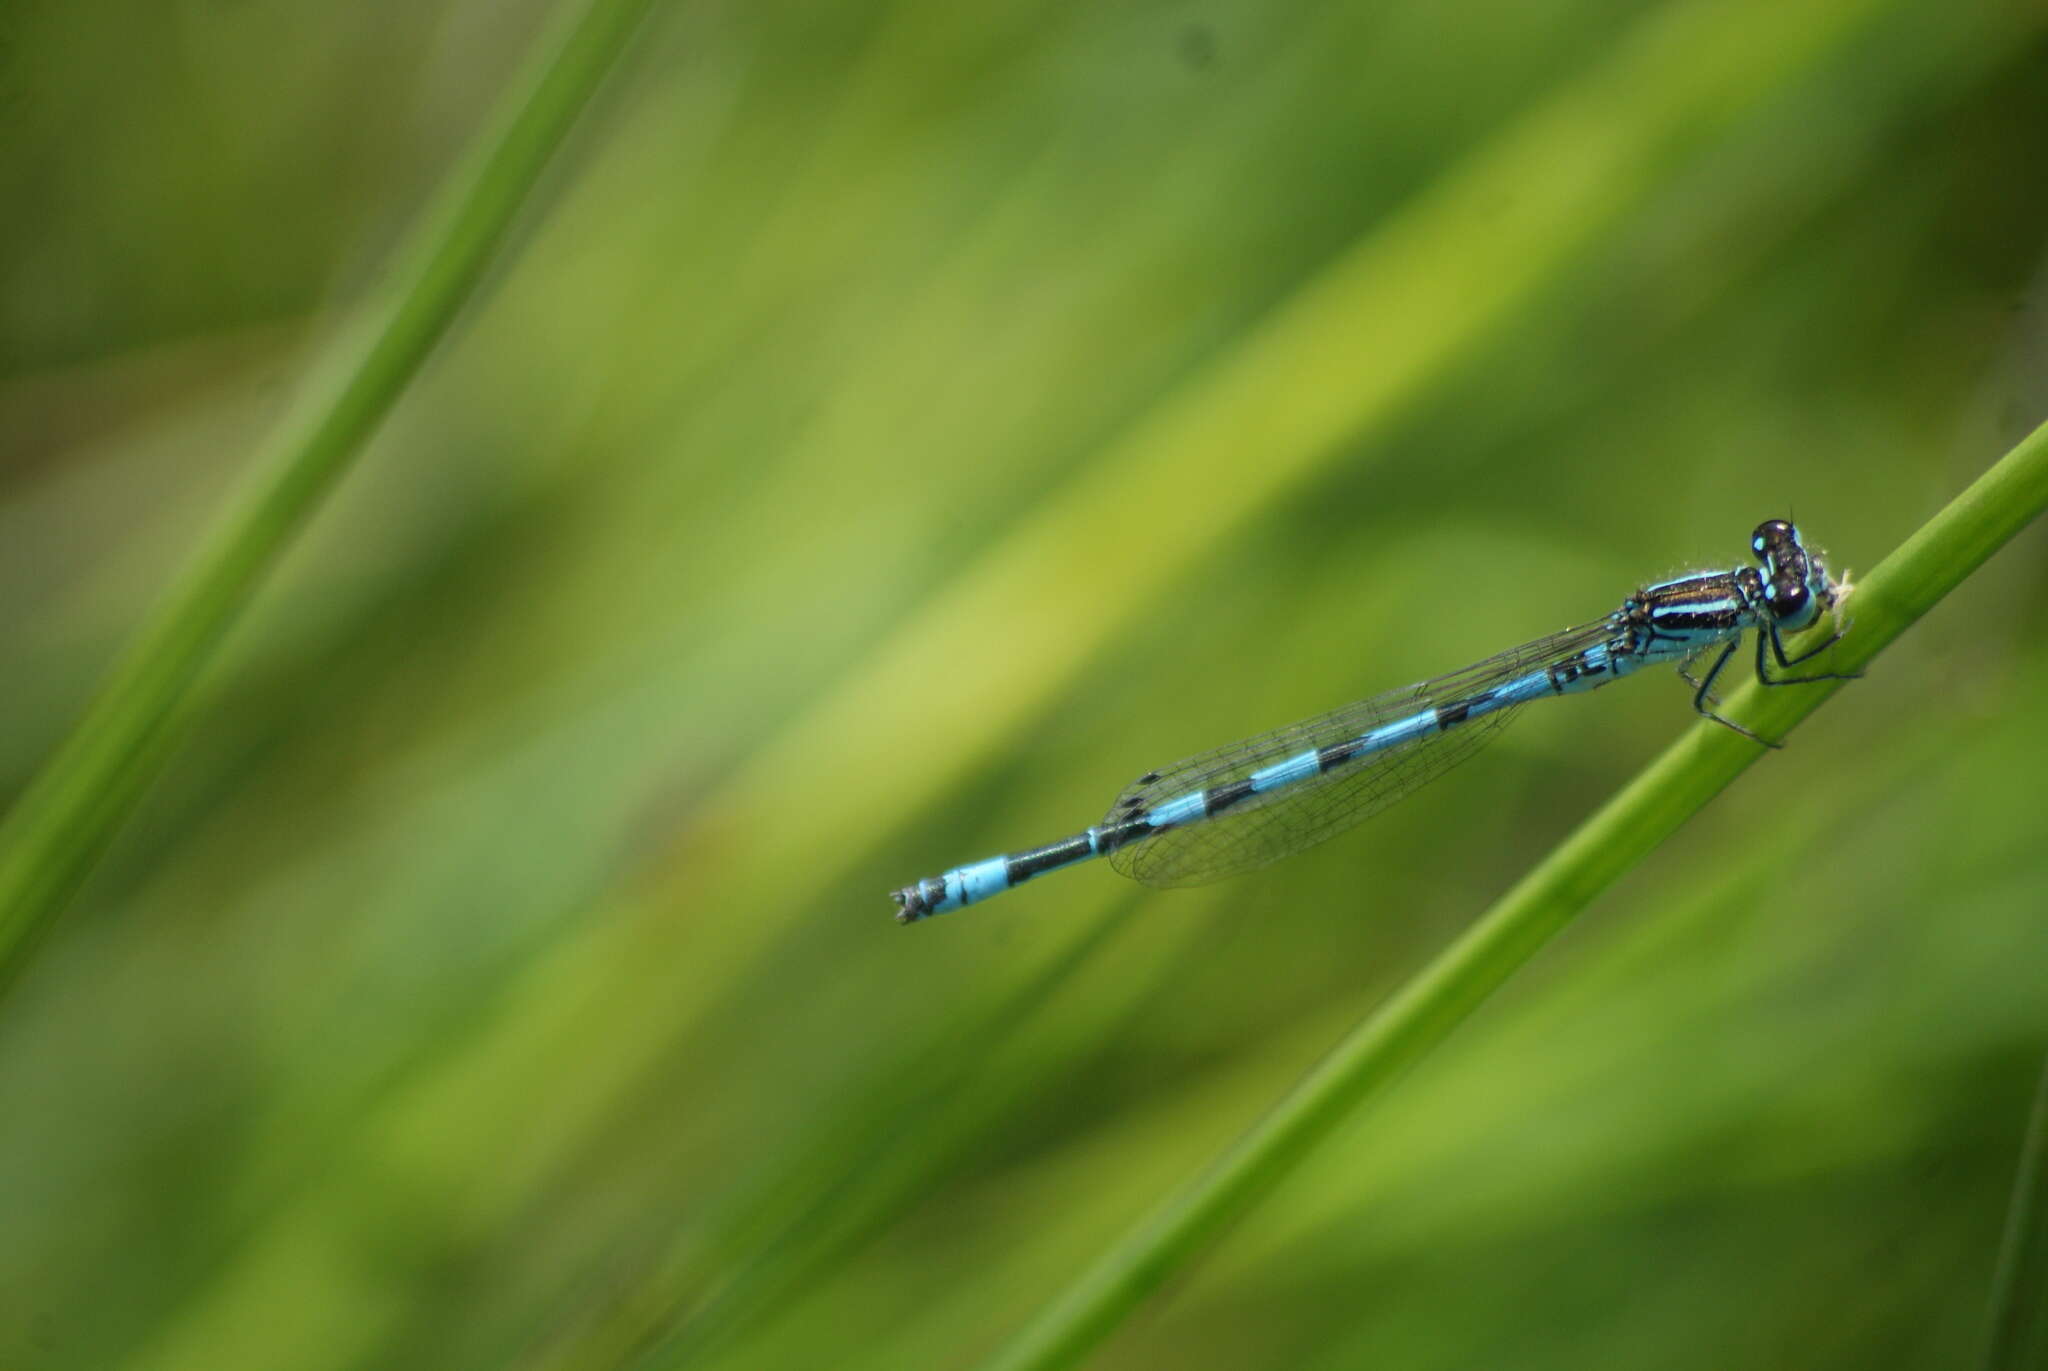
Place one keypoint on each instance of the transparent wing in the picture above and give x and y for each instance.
(1280, 823)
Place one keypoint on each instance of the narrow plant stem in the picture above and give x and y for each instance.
(1674, 787)
(83, 793)
(2018, 1338)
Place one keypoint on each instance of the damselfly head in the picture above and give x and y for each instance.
(1796, 587)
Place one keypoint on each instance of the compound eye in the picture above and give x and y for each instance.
(1772, 533)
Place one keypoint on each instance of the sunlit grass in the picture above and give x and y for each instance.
(58, 827)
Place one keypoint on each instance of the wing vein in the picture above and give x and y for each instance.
(1254, 829)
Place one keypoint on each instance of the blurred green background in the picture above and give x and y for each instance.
(895, 427)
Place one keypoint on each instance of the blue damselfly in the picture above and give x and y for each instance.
(1239, 807)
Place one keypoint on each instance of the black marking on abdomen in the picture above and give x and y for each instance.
(1149, 778)
(1582, 664)
(1335, 755)
(1218, 798)
(1457, 711)
(1110, 837)
(1022, 866)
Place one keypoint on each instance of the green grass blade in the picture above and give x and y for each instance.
(2019, 1292)
(828, 1201)
(67, 816)
(1674, 787)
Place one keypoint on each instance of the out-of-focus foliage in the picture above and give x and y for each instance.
(900, 426)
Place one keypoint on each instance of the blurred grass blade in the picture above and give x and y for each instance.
(887, 1144)
(67, 816)
(2019, 1291)
(1690, 773)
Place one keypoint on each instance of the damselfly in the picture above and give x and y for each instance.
(1239, 807)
